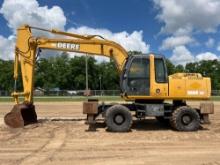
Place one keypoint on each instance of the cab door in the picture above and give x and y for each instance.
(136, 78)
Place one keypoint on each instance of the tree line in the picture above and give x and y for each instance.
(68, 73)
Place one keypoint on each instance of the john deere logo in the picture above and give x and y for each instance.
(64, 45)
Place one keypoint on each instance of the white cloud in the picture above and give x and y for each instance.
(133, 41)
(210, 42)
(7, 47)
(29, 12)
(206, 56)
(173, 41)
(181, 55)
(182, 20)
(218, 47)
(186, 16)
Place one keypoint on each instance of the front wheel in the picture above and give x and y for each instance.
(118, 118)
(185, 119)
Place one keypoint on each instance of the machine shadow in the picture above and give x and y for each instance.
(149, 125)
(60, 119)
(154, 125)
(138, 125)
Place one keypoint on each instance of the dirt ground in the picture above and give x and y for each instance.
(61, 137)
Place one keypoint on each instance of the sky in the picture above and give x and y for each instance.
(182, 30)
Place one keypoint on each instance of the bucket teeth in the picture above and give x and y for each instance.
(21, 115)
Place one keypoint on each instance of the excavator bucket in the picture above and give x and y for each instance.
(21, 115)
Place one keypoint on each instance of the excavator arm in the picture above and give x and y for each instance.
(26, 49)
(27, 46)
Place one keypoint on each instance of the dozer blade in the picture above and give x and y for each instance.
(21, 115)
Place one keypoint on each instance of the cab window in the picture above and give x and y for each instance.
(139, 68)
(138, 80)
(160, 71)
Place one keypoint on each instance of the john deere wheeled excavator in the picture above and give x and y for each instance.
(143, 80)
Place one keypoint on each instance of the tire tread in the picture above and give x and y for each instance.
(110, 126)
(174, 122)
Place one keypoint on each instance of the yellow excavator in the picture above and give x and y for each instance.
(144, 83)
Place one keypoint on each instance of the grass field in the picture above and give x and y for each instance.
(78, 98)
(66, 98)
(215, 98)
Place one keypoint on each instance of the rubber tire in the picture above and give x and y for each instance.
(112, 125)
(176, 119)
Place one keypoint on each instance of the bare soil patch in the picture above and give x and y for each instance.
(61, 137)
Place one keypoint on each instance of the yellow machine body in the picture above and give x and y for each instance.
(180, 86)
(189, 85)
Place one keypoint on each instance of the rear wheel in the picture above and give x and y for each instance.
(118, 118)
(185, 119)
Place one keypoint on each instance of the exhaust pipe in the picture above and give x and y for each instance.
(21, 115)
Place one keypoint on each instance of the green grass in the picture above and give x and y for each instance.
(77, 98)
(65, 98)
(215, 98)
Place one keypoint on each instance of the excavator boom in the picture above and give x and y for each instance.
(26, 49)
(27, 46)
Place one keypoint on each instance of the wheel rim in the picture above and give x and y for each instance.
(186, 119)
(119, 119)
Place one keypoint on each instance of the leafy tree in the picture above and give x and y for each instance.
(69, 73)
(179, 69)
(77, 74)
(109, 75)
(131, 53)
(191, 67)
(6, 78)
(170, 67)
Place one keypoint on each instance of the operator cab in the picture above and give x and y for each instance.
(135, 79)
